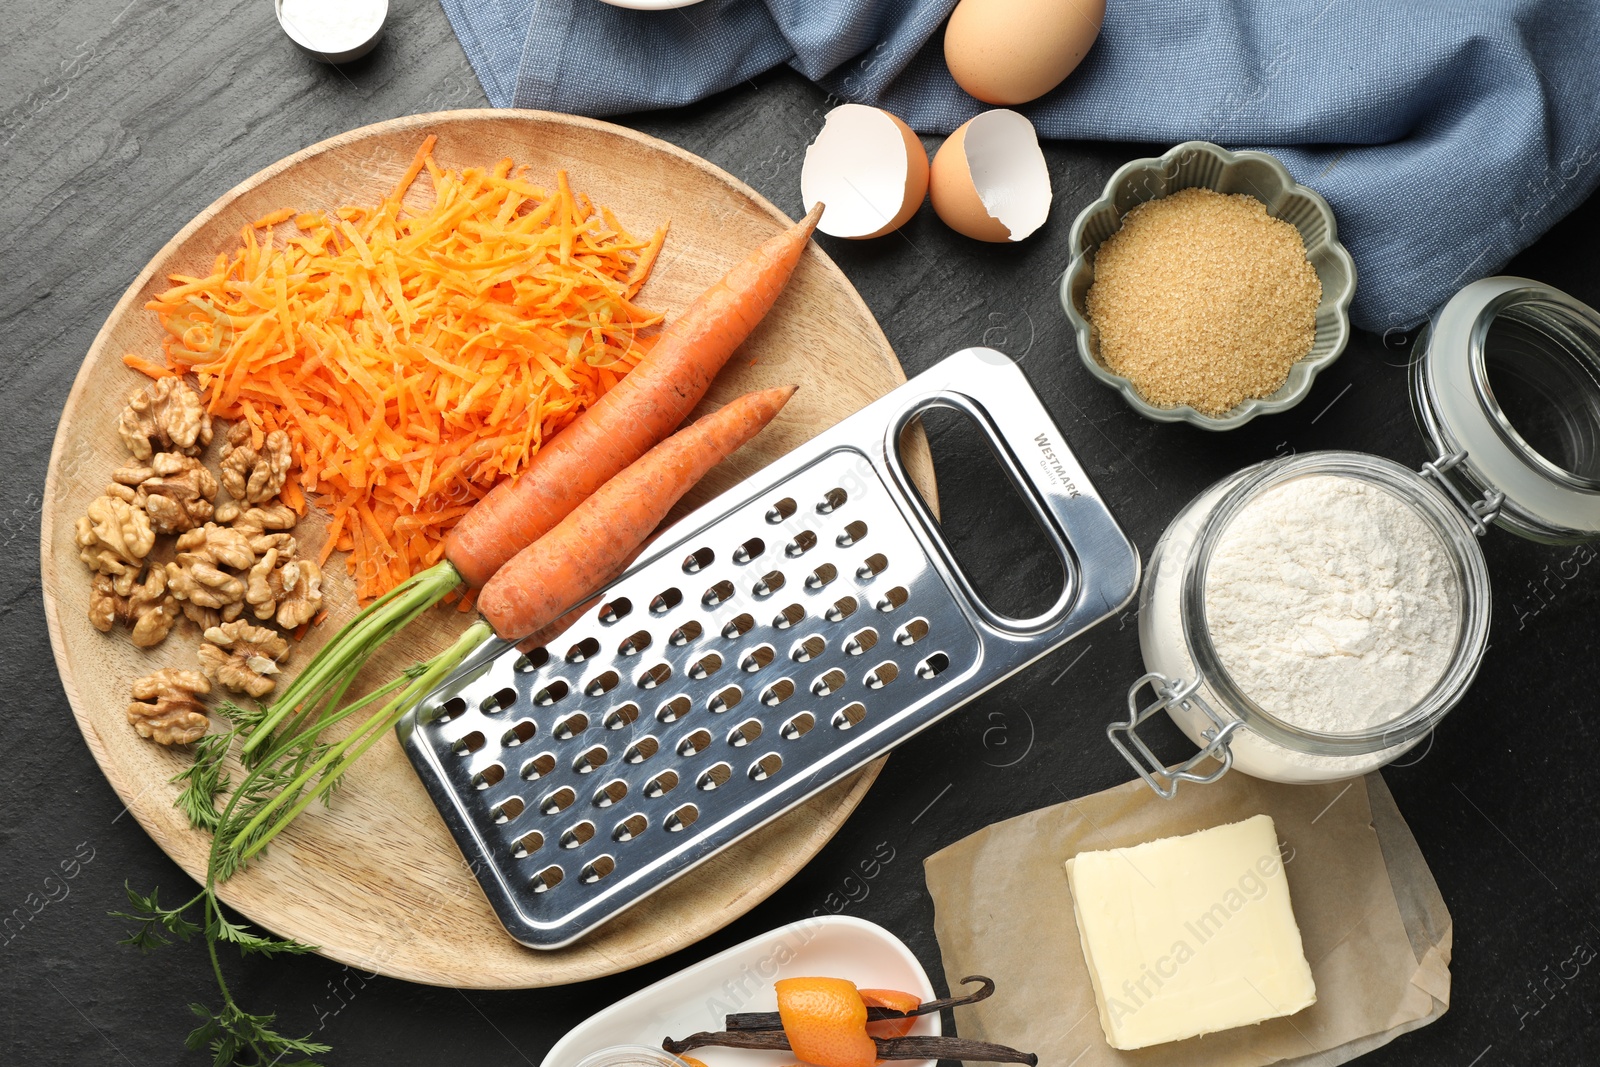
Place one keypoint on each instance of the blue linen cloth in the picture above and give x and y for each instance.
(1446, 134)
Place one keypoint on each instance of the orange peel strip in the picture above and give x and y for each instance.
(825, 1020)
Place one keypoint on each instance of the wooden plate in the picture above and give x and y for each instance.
(376, 881)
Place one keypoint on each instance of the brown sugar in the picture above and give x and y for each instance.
(1203, 299)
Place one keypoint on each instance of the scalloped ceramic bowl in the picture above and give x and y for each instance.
(1202, 164)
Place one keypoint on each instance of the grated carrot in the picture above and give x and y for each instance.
(414, 355)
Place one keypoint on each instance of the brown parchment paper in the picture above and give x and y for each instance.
(1375, 930)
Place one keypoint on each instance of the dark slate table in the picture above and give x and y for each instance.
(120, 120)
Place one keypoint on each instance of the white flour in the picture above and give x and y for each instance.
(1332, 604)
(333, 25)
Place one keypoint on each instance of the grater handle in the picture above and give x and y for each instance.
(1101, 564)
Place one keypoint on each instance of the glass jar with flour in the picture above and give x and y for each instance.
(1311, 618)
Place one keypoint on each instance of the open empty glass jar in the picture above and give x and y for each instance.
(1506, 387)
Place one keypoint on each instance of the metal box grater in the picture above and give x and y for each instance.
(783, 635)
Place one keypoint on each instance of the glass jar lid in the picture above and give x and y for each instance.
(1506, 387)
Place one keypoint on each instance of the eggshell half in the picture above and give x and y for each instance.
(989, 180)
(870, 170)
(1013, 51)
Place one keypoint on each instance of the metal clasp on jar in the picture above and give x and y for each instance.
(1480, 512)
(1183, 695)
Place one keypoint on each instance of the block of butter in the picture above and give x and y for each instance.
(1190, 935)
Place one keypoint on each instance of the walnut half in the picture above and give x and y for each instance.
(169, 413)
(290, 589)
(148, 607)
(175, 490)
(242, 657)
(166, 706)
(115, 536)
(250, 474)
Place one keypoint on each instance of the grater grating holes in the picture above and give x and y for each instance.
(654, 676)
(641, 750)
(682, 819)
(848, 716)
(601, 684)
(630, 828)
(498, 702)
(547, 879)
(863, 640)
(797, 726)
(507, 809)
(615, 610)
(912, 632)
(777, 692)
(689, 631)
(529, 662)
(570, 727)
(674, 709)
(933, 666)
(782, 510)
(872, 566)
(490, 775)
(578, 834)
(591, 760)
(588, 648)
(894, 598)
(634, 644)
(757, 658)
(518, 734)
(854, 532)
(698, 560)
(738, 626)
(538, 766)
(661, 784)
(550, 693)
(666, 600)
(469, 744)
(765, 767)
(800, 544)
(881, 675)
(808, 649)
(527, 844)
(611, 793)
(829, 682)
(695, 743)
(714, 776)
(749, 550)
(832, 501)
(717, 594)
(727, 699)
(450, 709)
(620, 716)
(789, 616)
(596, 869)
(744, 733)
(557, 801)
(770, 583)
(842, 609)
(705, 666)
(820, 577)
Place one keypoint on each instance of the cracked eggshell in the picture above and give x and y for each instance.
(870, 170)
(989, 180)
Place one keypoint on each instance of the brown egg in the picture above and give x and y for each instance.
(870, 170)
(1013, 51)
(989, 180)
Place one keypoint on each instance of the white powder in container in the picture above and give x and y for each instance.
(1332, 604)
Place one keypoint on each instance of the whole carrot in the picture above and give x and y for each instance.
(586, 548)
(649, 402)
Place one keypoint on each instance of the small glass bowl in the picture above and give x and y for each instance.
(1205, 165)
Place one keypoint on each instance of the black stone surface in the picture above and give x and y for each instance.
(120, 120)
